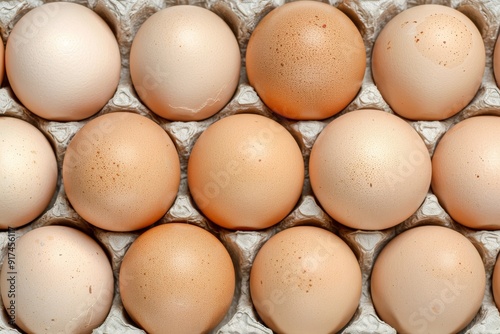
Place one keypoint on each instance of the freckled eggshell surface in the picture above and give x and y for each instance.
(305, 280)
(63, 281)
(121, 172)
(466, 172)
(306, 60)
(428, 62)
(62, 61)
(185, 63)
(185, 286)
(246, 172)
(28, 172)
(429, 279)
(369, 169)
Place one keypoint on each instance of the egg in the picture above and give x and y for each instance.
(185, 63)
(245, 172)
(429, 279)
(2, 62)
(305, 280)
(28, 170)
(495, 283)
(306, 60)
(369, 169)
(466, 172)
(428, 62)
(177, 277)
(496, 62)
(62, 61)
(121, 172)
(56, 279)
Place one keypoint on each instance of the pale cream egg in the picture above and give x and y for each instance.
(62, 61)
(28, 172)
(185, 63)
(56, 279)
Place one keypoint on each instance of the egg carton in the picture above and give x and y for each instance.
(370, 16)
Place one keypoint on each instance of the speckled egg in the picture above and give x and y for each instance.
(370, 169)
(177, 277)
(56, 279)
(466, 172)
(428, 62)
(306, 60)
(305, 280)
(121, 171)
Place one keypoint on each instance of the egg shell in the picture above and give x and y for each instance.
(185, 63)
(28, 170)
(369, 169)
(305, 280)
(466, 172)
(56, 279)
(62, 61)
(428, 62)
(246, 172)
(428, 279)
(306, 60)
(121, 172)
(177, 277)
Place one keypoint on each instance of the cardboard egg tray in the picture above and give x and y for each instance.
(125, 17)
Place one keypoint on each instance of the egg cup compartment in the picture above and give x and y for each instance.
(370, 16)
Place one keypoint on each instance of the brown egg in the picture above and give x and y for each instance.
(121, 172)
(429, 279)
(495, 283)
(370, 169)
(305, 280)
(428, 62)
(177, 277)
(246, 172)
(466, 172)
(306, 60)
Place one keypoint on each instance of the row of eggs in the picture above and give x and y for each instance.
(305, 59)
(369, 170)
(180, 277)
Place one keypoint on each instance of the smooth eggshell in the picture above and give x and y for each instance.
(185, 63)
(370, 169)
(246, 172)
(466, 172)
(305, 280)
(429, 279)
(177, 277)
(495, 283)
(428, 62)
(62, 61)
(62, 281)
(28, 170)
(121, 172)
(306, 60)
